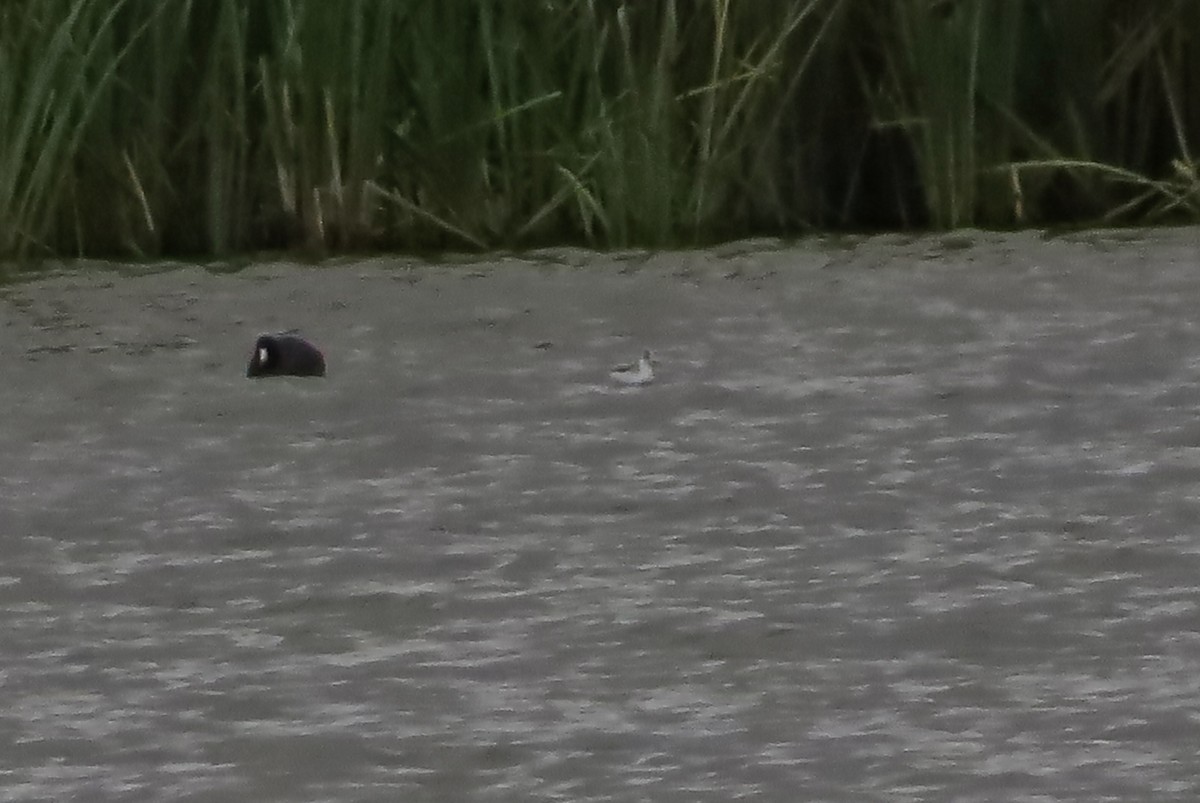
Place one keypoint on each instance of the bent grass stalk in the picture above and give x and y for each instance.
(1133, 78)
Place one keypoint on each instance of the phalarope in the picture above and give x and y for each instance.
(639, 373)
(285, 355)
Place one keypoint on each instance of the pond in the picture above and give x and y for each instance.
(900, 518)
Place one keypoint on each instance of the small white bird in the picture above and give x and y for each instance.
(639, 373)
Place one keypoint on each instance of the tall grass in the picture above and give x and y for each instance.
(152, 127)
(1114, 137)
(948, 73)
(58, 61)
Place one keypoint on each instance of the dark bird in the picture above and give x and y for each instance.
(285, 355)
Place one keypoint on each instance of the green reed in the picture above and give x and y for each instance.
(151, 127)
(58, 60)
(948, 71)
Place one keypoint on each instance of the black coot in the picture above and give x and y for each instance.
(285, 355)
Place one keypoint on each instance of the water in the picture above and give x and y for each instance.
(901, 519)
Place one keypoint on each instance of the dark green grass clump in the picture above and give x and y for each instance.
(152, 127)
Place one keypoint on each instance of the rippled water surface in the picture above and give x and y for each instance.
(901, 519)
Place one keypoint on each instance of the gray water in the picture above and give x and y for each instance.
(901, 519)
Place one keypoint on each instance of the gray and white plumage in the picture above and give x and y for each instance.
(638, 373)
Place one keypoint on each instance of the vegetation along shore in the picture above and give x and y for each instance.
(151, 128)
